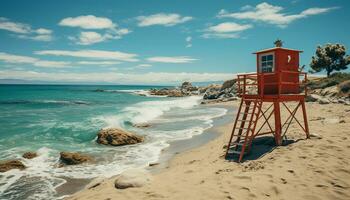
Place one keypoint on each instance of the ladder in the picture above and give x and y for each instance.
(243, 129)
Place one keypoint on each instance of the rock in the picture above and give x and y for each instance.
(73, 158)
(175, 93)
(315, 135)
(312, 98)
(169, 92)
(228, 84)
(11, 164)
(318, 98)
(186, 85)
(330, 91)
(29, 155)
(344, 88)
(212, 92)
(117, 137)
(324, 101)
(160, 92)
(132, 178)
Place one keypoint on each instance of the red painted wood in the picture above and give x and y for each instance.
(281, 58)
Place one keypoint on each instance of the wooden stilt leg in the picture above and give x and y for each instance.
(305, 119)
(277, 114)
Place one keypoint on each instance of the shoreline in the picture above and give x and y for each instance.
(182, 146)
(314, 168)
(73, 186)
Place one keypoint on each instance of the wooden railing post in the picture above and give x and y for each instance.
(244, 84)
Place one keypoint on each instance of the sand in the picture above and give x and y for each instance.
(305, 169)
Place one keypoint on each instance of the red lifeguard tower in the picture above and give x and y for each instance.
(277, 82)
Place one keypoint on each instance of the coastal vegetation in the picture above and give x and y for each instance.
(330, 57)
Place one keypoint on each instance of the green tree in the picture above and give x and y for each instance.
(330, 57)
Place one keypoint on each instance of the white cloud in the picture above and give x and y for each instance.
(25, 31)
(174, 59)
(228, 27)
(43, 31)
(88, 22)
(163, 19)
(6, 24)
(225, 30)
(188, 39)
(140, 66)
(121, 78)
(18, 59)
(11, 58)
(90, 37)
(44, 38)
(86, 38)
(54, 64)
(92, 22)
(221, 35)
(271, 14)
(97, 63)
(92, 54)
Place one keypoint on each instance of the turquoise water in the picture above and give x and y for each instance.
(49, 119)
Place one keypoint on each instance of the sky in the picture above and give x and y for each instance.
(158, 42)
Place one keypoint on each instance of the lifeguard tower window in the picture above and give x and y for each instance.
(266, 63)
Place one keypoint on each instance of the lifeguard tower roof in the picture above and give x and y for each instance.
(275, 48)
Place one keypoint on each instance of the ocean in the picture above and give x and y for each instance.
(49, 119)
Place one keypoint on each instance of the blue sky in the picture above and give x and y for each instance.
(157, 42)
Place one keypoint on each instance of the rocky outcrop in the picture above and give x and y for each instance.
(117, 137)
(220, 93)
(29, 155)
(11, 164)
(332, 94)
(132, 178)
(186, 89)
(73, 158)
(212, 91)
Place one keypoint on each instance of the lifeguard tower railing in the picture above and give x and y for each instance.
(272, 85)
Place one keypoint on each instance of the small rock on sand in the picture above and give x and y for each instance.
(29, 155)
(315, 135)
(132, 178)
(11, 164)
(117, 137)
(69, 158)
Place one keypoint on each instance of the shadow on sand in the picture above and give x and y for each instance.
(260, 147)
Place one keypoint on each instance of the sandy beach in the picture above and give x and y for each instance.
(316, 168)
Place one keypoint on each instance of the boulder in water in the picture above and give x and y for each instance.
(132, 178)
(29, 155)
(73, 158)
(117, 137)
(11, 164)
